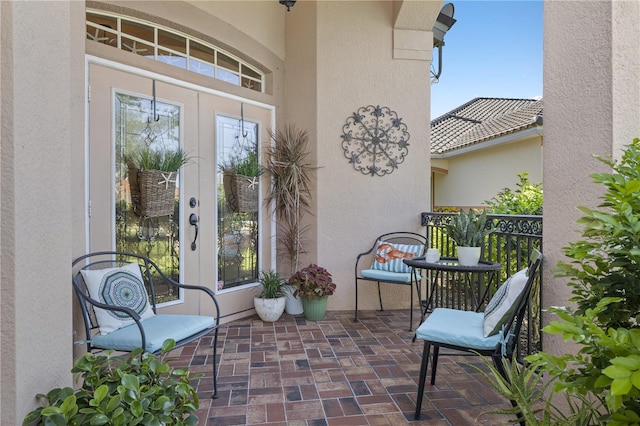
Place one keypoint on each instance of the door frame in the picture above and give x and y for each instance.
(89, 60)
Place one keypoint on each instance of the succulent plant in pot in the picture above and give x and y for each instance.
(314, 284)
(469, 229)
(270, 303)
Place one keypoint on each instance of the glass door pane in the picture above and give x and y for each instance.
(238, 201)
(147, 194)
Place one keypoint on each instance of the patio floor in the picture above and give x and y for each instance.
(334, 372)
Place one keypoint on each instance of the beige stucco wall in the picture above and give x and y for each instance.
(477, 176)
(355, 68)
(592, 106)
(262, 21)
(42, 117)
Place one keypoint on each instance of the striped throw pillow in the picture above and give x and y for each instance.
(503, 303)
(389, 256)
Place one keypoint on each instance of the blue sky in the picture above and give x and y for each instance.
(493, 50)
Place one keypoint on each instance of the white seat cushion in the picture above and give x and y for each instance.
(456, 327)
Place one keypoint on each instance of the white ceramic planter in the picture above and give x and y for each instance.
(469, 256)
(269, 310)
(294, 304)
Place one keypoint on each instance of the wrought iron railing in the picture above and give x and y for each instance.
(514, 238)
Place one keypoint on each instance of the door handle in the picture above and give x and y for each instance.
(193, 220)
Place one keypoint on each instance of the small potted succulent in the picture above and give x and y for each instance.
(314, 285)
(270, 302)
(469, 231)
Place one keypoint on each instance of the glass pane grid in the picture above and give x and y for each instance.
(171, 47)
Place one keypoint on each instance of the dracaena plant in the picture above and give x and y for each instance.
(140, 388)
(313, 281)
(287, 161)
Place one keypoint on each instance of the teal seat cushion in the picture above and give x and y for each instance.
(157, 329)
(380, 275)
(458, 328)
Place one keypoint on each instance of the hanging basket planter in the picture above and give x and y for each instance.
(241, 192)
(153, 192)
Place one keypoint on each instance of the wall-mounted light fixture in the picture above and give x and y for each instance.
(443, 23)
(288, 3)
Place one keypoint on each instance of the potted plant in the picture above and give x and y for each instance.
(287, 163)
(314, 285)
(152, 179)
(270, 303)
(468, 230)
(240, 181)
(140, 388)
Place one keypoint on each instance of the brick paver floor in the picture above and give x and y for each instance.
(334, 372)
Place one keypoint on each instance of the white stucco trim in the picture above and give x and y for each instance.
(502, 140)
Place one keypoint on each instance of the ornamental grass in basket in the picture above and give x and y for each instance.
(313, 281)
(240, 181)
(152, 180)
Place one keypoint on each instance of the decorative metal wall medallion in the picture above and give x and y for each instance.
(375, 140)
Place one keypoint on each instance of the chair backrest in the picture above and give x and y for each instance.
(511, 331)
(111, 259)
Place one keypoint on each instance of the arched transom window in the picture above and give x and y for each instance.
(171, 47)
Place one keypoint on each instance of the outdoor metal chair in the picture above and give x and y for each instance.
(383, 263)
(493, 332)
(116, 292)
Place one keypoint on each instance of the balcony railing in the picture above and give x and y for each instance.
(510, 244)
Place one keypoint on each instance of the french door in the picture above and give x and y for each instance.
(194, 231)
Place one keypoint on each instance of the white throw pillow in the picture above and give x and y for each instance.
(120, 287)
(503, 302)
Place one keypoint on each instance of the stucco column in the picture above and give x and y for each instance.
(592, 106)
(41, 81)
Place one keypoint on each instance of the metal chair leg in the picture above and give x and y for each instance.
(355, 319)
(423, 375)
(434, 364)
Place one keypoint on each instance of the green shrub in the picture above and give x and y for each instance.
(602, 377)
(137, 389)
(525, 200)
